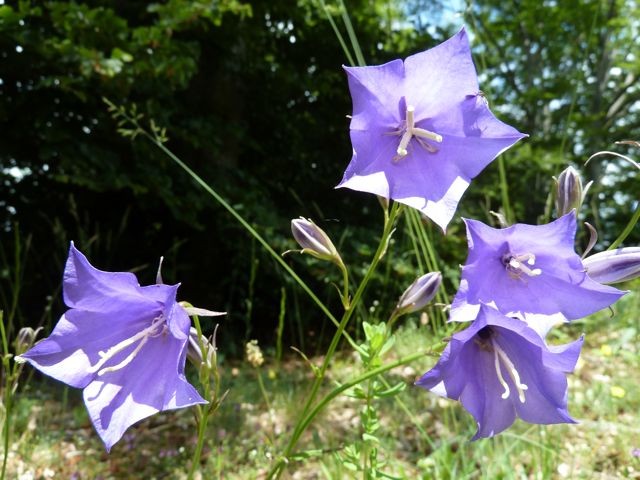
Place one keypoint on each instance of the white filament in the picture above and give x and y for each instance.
(411, 131)
(498, 356)
(142, 336)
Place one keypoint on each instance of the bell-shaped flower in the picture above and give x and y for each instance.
(500, 369)
(421, 129)
(614, 266)
(528, 269)
(124, 344)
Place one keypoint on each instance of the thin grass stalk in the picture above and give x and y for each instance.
(428, 254)
(6, 427)
(352, 34)
(242, 222)
(504, 192)
(339, 36)
(627, 230)
(280, 330)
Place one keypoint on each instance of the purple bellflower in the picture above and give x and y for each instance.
(500, 369)
(421, 129)
(124, 344)
(528, 270)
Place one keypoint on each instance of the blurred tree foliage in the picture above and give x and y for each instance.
(254, 99)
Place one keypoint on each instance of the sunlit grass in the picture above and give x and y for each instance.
(422, 436)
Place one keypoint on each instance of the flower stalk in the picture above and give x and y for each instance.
(303, 421)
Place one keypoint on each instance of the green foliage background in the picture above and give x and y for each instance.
(254, 99)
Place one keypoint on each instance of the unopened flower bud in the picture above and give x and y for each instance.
(569, 191)
(419, 293)
(194, 349)
(25, 339)
(314, 240)
(614, 266)
(254, 354)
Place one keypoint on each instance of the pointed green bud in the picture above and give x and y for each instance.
(419, 293)
(614, 266)
(25, 339)
(569, 191)
(314, 240)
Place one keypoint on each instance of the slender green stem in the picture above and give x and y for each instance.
(202, 412)
(365, 444)
(263, 390)
(6, 428)
(504, 191)
(202, 428)
(265, 396)
(353, 382)
(628, 229)
(280, 330)
(3, 334)
(301, 425)
(345, 286)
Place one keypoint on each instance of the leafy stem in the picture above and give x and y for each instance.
(302, 423)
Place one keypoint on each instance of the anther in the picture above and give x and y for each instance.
(516, 265)
(410, 131)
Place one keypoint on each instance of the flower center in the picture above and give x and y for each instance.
(410, 131)
(500, 357)
(518, 265)
(157, 327)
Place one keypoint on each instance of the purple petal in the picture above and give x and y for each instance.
(560, 285)
(441, 85)
(439, 78)
(615, 266)
(152, 382)
(88, 288)
(74, 345)
(500, 368)
(371, 88)
(124, 344)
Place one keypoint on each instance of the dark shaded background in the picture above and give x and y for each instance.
(254, 99)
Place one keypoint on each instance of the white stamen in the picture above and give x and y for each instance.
(142, 336)
(127, 360)
(516, 265)
(410, 131)
(505, 385)
(499, 354)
